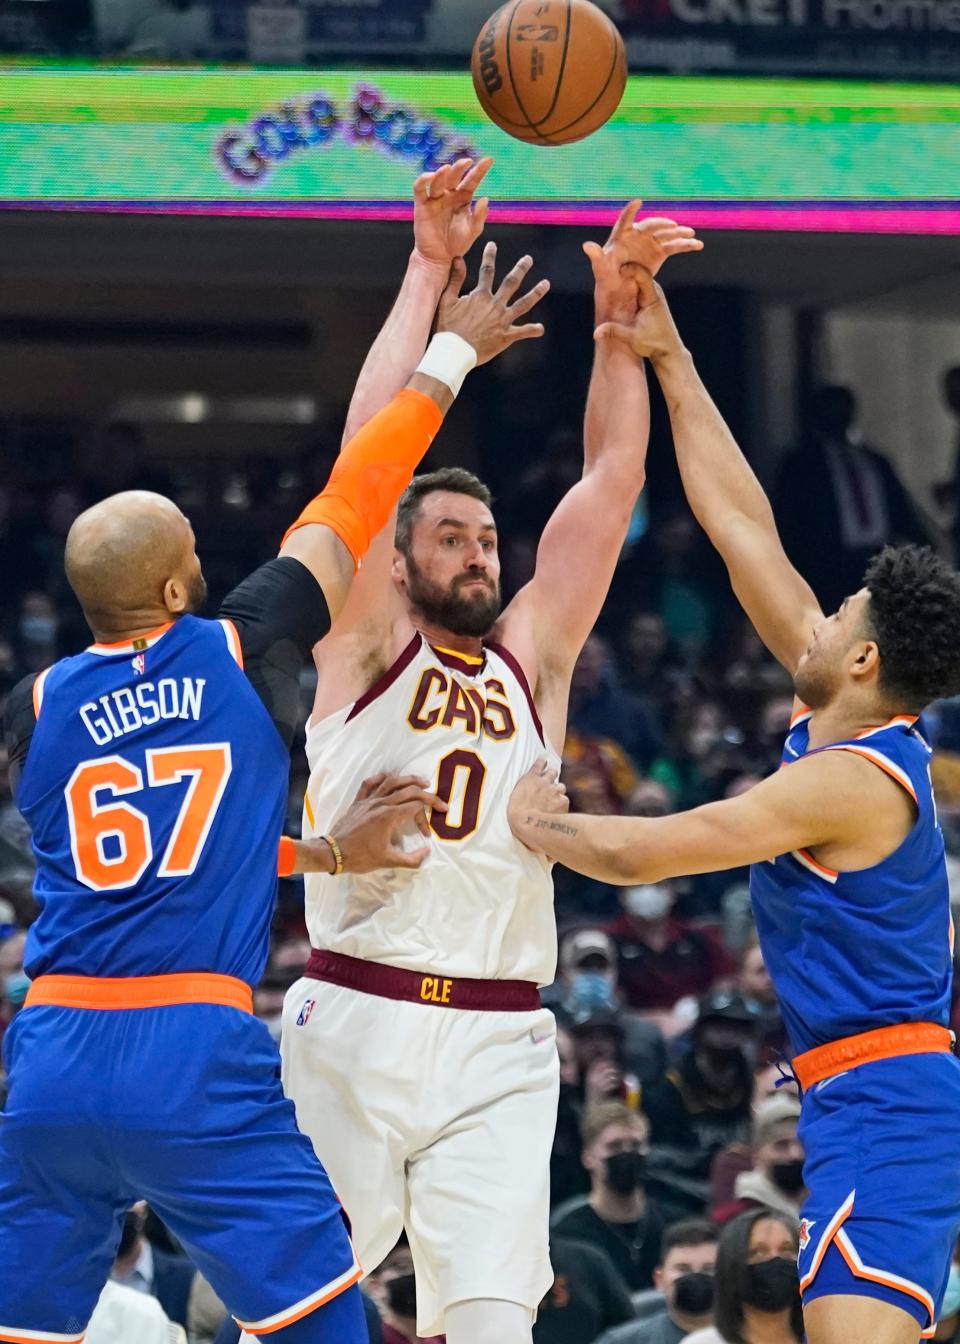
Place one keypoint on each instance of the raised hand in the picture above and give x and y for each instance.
(485, 318)
(447, 221)
(369, 832)
(651, 331)
(633, 246)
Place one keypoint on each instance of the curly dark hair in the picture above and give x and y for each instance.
(914, 613)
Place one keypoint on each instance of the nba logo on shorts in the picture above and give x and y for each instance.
(305, 1012)
(805, 1227)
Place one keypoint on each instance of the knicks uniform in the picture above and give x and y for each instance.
(155, 785)
(416, 1050)
(862, 965)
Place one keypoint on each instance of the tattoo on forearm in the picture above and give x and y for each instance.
(547, 824)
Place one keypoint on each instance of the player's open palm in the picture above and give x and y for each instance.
(486, 318)
(447, 220)
(372, 830)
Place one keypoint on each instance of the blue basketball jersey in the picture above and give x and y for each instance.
(155, 787)
(852, 951)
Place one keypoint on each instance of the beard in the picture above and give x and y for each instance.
(196, 595)
(473, 614)
(815, 683)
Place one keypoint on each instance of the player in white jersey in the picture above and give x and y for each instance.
(415, 1049)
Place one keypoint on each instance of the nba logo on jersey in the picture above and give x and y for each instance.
(139, 664)
(305, 1012)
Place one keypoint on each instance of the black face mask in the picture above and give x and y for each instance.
(787, 1176)
(772, 1285)
(624, 1172)
(402, 1296)
(132, 1230)
(693, 1294)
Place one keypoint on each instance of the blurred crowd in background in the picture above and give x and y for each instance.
(677, 1124)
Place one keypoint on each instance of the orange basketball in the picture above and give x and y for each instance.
(549, 71)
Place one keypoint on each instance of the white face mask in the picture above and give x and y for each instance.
(651, 901)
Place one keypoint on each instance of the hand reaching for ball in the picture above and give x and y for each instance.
(486, 318)
(447, 220)
(634, 246)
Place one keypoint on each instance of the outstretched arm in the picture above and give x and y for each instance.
(830, 799)
(722, 490)
(447, 221)
(582, 541)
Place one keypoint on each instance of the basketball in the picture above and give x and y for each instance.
(549, 71)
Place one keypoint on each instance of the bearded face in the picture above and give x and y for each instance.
(468, 605)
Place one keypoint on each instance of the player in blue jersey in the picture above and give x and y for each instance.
(848, 881)
(153, 771)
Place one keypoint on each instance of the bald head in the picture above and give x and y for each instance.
(131, 562)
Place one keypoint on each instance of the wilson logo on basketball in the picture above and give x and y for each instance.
(489, 70)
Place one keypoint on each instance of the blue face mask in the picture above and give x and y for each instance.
(951, 1300)
(15, 988)
(592, 989)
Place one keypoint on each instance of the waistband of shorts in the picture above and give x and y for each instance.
(440, 991)
(139, 991)
(907, 1038)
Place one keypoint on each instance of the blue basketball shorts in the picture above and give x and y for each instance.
(179, 1105)
(882, 1167)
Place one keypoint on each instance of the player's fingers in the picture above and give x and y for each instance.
(407, 858)
(529, 331)
(476, 174)
(396, 788)
(369, 785)
(654, 224)
(458, 172)
(412, 796)
(488, 266)
(529, 300)
(649, 289)
(514, 278)
(480, 211)
(421, 188)
(541, 766)
(613, 331)
(627, 215)
(458, 273)
(683, 245)
(441, 180)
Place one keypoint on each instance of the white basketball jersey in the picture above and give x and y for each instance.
(481, 905)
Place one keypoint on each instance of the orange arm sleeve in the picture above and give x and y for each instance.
(373, 470)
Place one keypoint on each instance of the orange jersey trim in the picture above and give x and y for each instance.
(131, 645)
(861, 1271)
(878, 759)
(233, 641)
(909, 1038)
(297, 1313)
(38, 692)
(139, 991)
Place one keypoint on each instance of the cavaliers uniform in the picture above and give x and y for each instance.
(154, 776)
(862, 965)
(415, 1048)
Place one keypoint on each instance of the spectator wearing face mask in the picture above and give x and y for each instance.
(14, 981)
(703, 1103)
(663, 958)
(685, 1277)
(758, 1292)
(775, 1180)
(589, 988)
(588, 1295)
(617, 1216)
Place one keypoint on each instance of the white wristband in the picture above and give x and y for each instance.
(448, 358)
